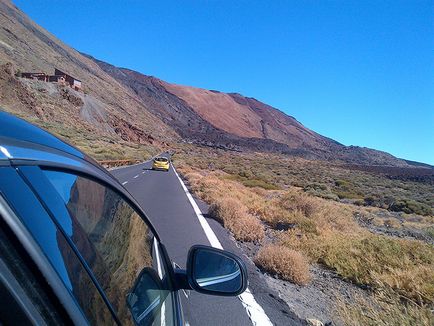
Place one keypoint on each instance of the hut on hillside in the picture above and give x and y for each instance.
(72, 81)
(58, 77)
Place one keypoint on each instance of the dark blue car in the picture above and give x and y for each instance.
(76, 248)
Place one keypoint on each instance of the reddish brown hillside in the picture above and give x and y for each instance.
(220, 109)
(232, 121)
(283, 128)
(247, 117)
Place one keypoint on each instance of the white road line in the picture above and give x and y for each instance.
(160, 274)
(136, 176)
(255, 312)
(124, 183)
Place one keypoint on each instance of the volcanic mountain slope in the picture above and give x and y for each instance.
(106, 109)
(230, 120)
(120, 107)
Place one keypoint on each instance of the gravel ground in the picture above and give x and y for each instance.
(319, 299)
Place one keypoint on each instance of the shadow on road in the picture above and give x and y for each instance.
(151, 169)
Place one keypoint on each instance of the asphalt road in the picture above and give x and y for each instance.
(165, 201)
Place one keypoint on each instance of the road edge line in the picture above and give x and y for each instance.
(255, 312)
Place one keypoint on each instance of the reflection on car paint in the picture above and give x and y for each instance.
(110, 235)
(15, 128)
(55, 246)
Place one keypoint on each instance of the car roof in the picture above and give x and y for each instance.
(16, 128)
(20, 142)
(24, 134)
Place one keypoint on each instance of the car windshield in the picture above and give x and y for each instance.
(161, 160)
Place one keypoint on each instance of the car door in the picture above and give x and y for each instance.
(63, 276)
(114, 243)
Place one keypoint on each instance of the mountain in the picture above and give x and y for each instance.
(120, 109)
(233, 121)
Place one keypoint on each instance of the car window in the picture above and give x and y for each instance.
(112, 238)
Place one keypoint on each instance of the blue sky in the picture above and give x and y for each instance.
(360, 72)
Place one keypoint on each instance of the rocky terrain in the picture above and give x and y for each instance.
(105, 107)
(233, 121)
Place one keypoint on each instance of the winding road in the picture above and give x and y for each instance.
(181, 222)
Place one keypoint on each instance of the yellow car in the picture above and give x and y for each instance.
(161, 163)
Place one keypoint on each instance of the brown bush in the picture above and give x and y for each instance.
(246, 228)
(299, 202)
(225, 209)
(328, 233)
(382, 309)
(286, 263)
(233, 215)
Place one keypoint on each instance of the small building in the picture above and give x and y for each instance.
(35, 75)
(58, 77)
(72, 81)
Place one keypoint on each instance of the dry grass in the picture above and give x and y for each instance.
(403, 266)
(320, 179)
(226, 205)
(326, 232)
(288, 264)
(235, 218)
(382, 309)
(294, 201)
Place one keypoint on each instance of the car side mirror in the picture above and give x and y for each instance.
(146, 297)
(215, 271)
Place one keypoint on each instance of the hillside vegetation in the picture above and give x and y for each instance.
(294, 225)
(339, 183)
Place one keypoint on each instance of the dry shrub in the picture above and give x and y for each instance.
(288, 264)
(382, 309)
(336, 217)
(215, 186)
(246, 228)
(225, 209)
(193, 177)
(295, 201)
(267, 210)
(326, 232)
(260, 191)
(392, 223)
(404, 266)
(235, 218)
